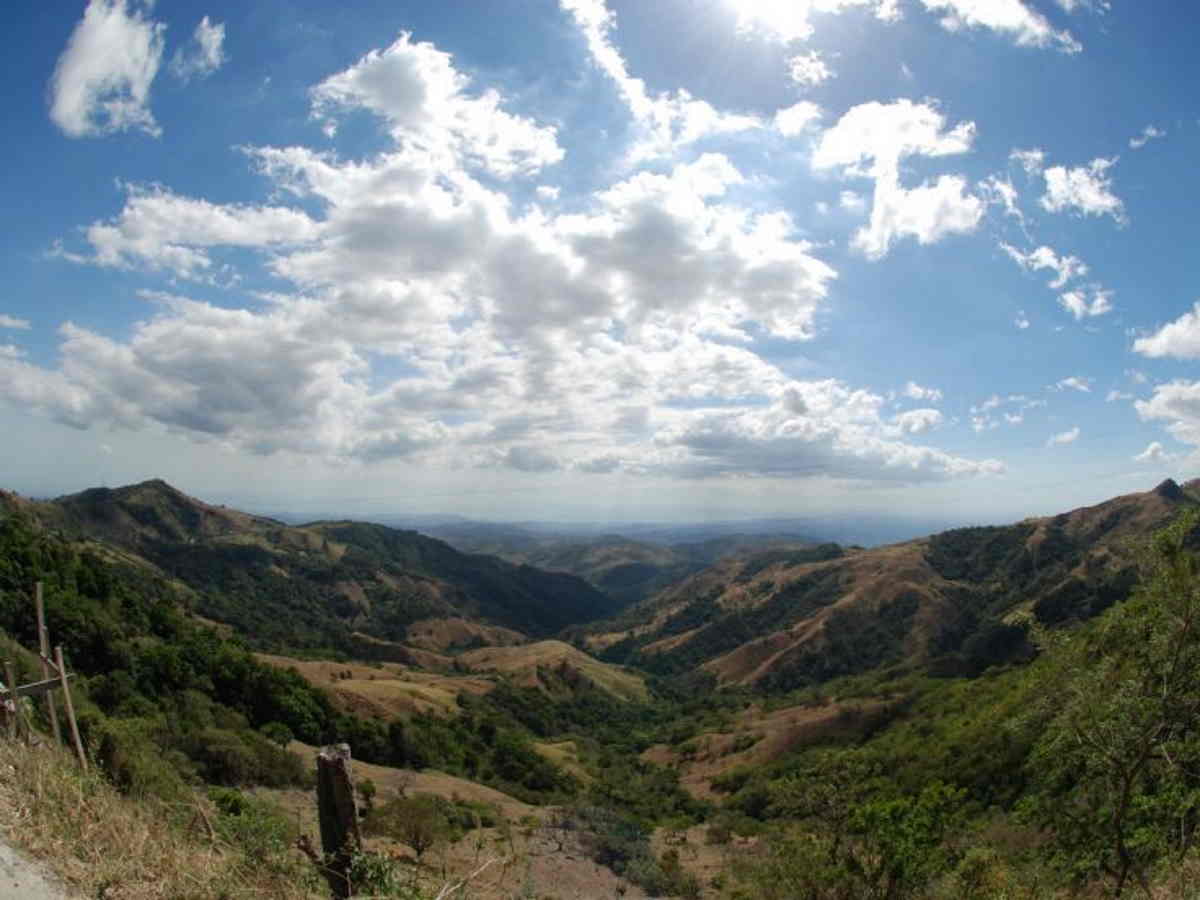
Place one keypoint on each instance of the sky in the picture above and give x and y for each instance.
(603, 259)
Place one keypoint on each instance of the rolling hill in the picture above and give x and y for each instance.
(315, 586)
(955, 602)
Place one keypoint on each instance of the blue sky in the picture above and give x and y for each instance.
(587, 259)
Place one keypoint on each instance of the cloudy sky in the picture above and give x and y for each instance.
(603, 258)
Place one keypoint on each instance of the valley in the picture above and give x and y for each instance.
(605, 716)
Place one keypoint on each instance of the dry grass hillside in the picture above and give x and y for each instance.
(783, 620)
(523, 665)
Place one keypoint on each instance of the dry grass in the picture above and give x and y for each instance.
(386, 689)
(108, 846)
(522, 664)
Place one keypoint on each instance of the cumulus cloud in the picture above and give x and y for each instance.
(665, 121)
(101, 84)
(424, 99)
(160, 230)
(797, 118)
(1155, 454)
(423, 312)
(1027, 27)
(204, 54)
(809, 69)
(1178, 404)
(1179, 339)
(914, 391)
(870, 140)
(7, 321)
(1081, 305)
(1085, 189)
(832, 431)
(916, 421)
(1064, 437)
(1022, 320)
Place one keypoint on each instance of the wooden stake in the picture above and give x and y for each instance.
(44, 647)
(10, 700)
(66, 689)
(340, 837)
(19, 724)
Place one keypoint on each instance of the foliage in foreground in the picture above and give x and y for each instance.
(1076, 776)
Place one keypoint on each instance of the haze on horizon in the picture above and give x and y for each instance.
(920, 259)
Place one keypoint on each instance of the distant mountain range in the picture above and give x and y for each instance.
(955, 602)
(774, 611)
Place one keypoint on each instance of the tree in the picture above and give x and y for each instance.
(1119, 765)
(418, 821)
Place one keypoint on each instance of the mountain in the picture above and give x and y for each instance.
(626, 569)
(954, 602)
(316, 585)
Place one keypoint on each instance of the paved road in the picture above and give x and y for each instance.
(23, 879)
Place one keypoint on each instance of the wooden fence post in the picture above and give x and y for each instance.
(66, 689)
(44, 645)
(13, 701)
(340, 837)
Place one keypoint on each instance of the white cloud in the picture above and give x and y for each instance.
(548, 192)
(915, 391)
(101, 84)
(1075, 383)
(1087, 189)
(1177, 403)
(7, 321)
(1179, 340)
(159, 230)
(791, 21)
(423, 311)
(1022, 320)
(851, 201)
(870, 140)
(809, 69)
(917, 421)
(424, 99)
(1000, 191)
(1032, 161)
(1027, 27)
(1065, 268)
(1137, 377)
(1064, 437)
(798, 118)
(1079, 306)
(203, 55)
(1114, 395)
(666, 121)
(1155, 454)
(1149, 133)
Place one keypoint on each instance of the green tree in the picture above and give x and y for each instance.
(1119, 765)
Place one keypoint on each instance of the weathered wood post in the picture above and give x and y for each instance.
(12, 703)
(44, 646)
(340, 837)
(66, 689)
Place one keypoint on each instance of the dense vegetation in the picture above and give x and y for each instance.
(1049, 746)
